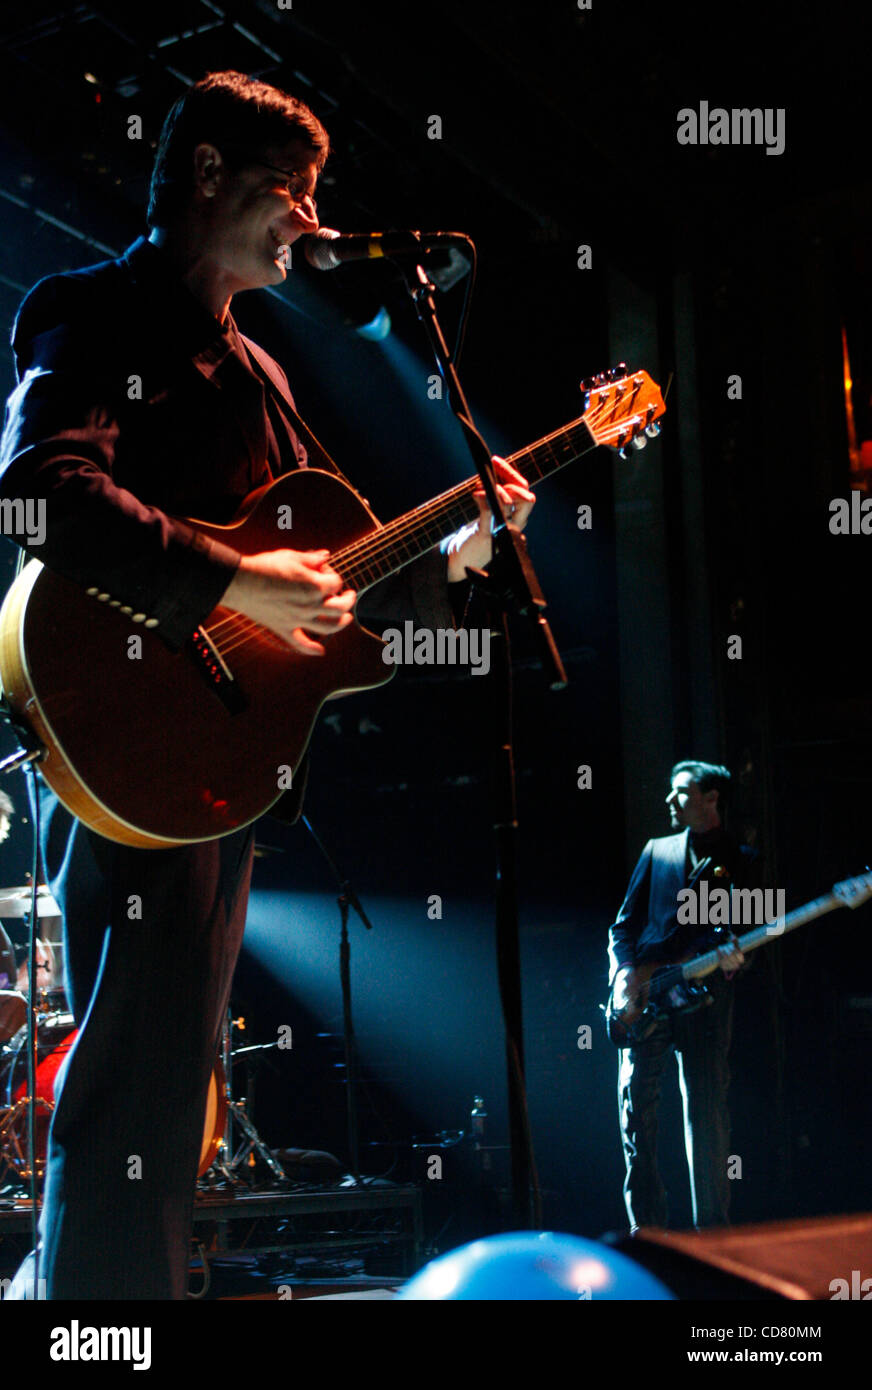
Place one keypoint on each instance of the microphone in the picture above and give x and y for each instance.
(327, 249)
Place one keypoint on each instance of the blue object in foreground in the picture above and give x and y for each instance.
(531, 1265)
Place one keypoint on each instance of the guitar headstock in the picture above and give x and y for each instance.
(622, 408)
(854, 891)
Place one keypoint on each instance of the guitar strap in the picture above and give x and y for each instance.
(289, 807)
(314, 445)
(699, 869)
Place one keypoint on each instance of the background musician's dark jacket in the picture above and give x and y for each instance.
(647, 928)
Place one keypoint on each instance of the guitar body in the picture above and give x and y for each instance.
(142, 749)
(664, 992)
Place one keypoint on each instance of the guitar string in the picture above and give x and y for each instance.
(370, 545)
(411, 521)
(237, 630)
(388, 538)
(240, 628)
(387, 535)
(540, 446)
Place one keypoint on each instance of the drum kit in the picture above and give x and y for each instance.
(55, 1028)
(55, 1037)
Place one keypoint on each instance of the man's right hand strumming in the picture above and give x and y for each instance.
(291, 592)
(627, 993)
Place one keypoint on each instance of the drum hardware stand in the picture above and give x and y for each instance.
(24, 755)
(347, 898)
(237, 1114)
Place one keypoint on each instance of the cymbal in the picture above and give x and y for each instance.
(15, 902)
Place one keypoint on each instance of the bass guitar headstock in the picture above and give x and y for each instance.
(622, 408)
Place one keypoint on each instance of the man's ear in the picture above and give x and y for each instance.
(208, 170)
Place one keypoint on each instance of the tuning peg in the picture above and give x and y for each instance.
(590, 383)
(639, 441)
(622, 453)
(652, 431)
(617, 372)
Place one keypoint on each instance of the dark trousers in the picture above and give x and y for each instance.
(152, 938)
(701, 1042)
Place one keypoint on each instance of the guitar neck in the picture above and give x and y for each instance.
(760, 936)
(390, 548)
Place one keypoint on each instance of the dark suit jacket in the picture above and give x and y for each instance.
(133, 406)
(647, 927)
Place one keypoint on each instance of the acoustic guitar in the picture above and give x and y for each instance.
(173, 747)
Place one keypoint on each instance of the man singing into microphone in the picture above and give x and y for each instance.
(139, 400)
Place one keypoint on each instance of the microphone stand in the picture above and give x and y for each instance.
(510, 580)
(347, 898)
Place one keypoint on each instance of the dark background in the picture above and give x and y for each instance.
(558, 130)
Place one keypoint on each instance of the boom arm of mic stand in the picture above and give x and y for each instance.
(346, 887)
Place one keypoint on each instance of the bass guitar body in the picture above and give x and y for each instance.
(156, 748)
(664, 993)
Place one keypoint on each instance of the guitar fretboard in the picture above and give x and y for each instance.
(391, 547)
(704, 965)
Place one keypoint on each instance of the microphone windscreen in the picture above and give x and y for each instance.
(317, 249)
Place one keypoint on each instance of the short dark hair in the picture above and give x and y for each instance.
(236, 114)
(6, 806)
(708, 777)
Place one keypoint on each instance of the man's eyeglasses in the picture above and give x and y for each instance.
(297, 185)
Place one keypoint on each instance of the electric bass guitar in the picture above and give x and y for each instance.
(177, 747)
(670, 989)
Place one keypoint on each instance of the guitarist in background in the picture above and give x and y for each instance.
(647, 931)
(139, 401)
